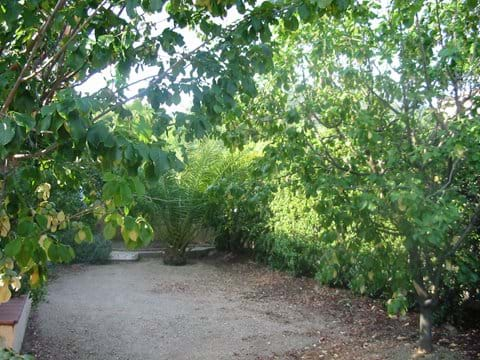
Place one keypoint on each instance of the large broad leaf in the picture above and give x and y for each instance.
(76, 126)
(13, 247)
(291, 23)
(7, 132)
(24, 120)
(97, 134)
(160, 160)
(119, 191)
(156, 5)
(25, 227)
(109, 231)
(130, 6)
(83, 235)
(323, 3)
(137, 186)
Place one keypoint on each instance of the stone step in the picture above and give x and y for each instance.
(123, 255)
(195, 252)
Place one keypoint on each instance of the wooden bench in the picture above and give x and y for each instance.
(13, 322)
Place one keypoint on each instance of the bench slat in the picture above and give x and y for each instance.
(11, 311)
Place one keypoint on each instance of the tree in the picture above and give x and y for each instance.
(378, 115)
(50, 47)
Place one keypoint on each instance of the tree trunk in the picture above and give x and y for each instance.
(175, 257)
(426, 319)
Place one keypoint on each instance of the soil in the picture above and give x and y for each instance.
(217, 309)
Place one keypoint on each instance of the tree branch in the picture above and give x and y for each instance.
(74, 33)
(36, 45)
(38, 154)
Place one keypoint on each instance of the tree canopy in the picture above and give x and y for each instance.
(51, 130)
(376, 117)
(371, 110)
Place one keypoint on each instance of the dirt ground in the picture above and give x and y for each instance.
(215, 310)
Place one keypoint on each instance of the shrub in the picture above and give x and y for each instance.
(209, 197)
(95, 252)
(179, 213)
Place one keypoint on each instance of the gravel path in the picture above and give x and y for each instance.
(147, 310)
(206, 310)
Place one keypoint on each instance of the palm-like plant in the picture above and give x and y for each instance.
(183, 203)
(179, 213)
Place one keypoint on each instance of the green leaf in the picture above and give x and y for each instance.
(240, 6)
(129, 223)
(97, 134)
(156, 5)
(109, 231)
(124, 196)
(42, 221)
(83, 235)
(145, 233)
(25, 227)
(231, 88)
(304, 12)
(131, 5)
(65, 253)
(291, 23)
(322, 4)
(76, 126)
(137, 186)
(13, 247)
(7, 132)
(160, 160)
(24, 120)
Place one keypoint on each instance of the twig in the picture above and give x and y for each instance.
(68, 42)
(450, 177)
(37, 154)
(36, 45)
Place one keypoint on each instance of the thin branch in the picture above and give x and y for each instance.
(157, 78)
(36, 45)
(38, 154)
(382, 100)
(450, 177)
(333, 161)
(74, 33)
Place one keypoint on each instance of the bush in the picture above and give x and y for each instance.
(95, 252)
(179, 214)
(208, 197)
(238, 200)
(287, 253)
(292, 242)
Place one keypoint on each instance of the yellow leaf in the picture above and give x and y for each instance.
(5, 293)
(61, 216)
(4, 225)
(34, 278)
(42, 239)
(82, 235)
(133, 235)
(9, 263)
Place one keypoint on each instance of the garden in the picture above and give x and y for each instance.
(326, 153)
